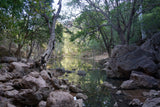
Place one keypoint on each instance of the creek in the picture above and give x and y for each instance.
(97, 97)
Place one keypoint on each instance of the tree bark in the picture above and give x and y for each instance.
(51, 44)
(18, 52)
(30, 50)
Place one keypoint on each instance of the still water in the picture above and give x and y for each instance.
(97, 97)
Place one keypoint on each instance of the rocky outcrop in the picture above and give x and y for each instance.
(121, 67)
(139, 68)
(21, 85)
(145, 59)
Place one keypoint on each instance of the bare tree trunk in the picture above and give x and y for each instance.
(30, 50)
(51, 45)
(10, 44)
(140, 19)
(122, 37)
(18, 52)
(133, 10)
(107, 45)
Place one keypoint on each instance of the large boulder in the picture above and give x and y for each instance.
(28, 97)
(33, 80)
(60, 99)
(153, 46)
(46, 75)
(126, 58)
(136, 60)
(121, 50)
(152, 102)
(140, 80)
(19, 66)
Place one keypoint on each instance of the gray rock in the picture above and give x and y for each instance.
(60, 99)
(64, 87)
(44, 92)
(125, 59)
(81, 96)
(42, 104)
(74, 89)
(129, 84)
(140, 80)
(56, 83)
(119, 92)
(79, 103)
(151, 94)
(28, 97)
(115, 104)
(19, 66)
(6, 87)
(135, 102)
(33, 80)
(11, 93)
(149, 102)
(153, 46)
(108, 85)
(46, 74)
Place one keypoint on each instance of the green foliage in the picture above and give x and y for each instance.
(21, 22)
(59, 32)
(122, 16)
(151, 21)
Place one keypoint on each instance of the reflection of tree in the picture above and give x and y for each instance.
(70, 63)
(91, 85)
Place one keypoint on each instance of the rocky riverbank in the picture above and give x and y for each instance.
(139, 67)
(22, 85)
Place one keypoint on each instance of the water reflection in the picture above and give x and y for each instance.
(90, 83)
